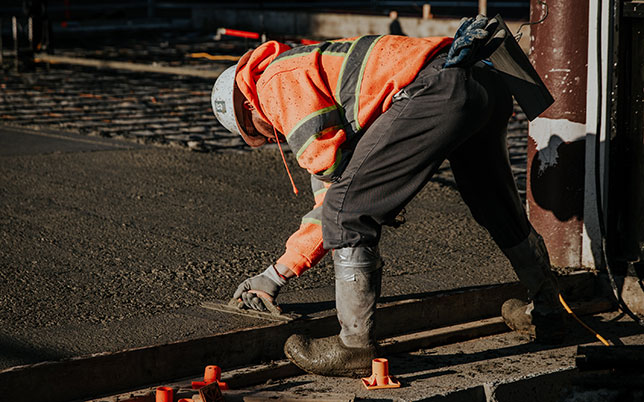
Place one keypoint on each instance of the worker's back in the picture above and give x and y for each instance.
(321, 95)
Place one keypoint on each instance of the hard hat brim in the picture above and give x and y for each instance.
(238, 103)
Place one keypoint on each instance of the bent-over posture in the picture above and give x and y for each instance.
(372, 119)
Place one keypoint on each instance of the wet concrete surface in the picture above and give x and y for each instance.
(106, 249)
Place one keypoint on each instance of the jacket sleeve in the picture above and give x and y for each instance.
(304, 248)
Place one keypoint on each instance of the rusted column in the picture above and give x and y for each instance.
(483, 7)
(556, 145)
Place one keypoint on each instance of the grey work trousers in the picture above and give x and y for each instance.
(456, 114)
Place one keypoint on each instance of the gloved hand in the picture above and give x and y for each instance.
(472, 41)
(266, 285)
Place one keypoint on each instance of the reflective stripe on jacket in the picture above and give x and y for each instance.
(322, 97)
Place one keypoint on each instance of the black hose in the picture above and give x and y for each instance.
(600, 210)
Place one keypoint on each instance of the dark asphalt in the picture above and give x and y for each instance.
(108, 244)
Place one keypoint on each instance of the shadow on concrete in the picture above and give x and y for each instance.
(14, 349)
(577, 335)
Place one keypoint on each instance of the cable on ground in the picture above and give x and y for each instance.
(583, 324)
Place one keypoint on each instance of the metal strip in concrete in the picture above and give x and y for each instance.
(212, 72)
(23, 141)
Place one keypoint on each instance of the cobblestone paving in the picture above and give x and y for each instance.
(151, 108)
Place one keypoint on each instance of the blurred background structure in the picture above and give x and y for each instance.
(67, 19)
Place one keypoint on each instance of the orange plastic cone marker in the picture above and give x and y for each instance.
(164, 394)
(211, 374)
(380, 377)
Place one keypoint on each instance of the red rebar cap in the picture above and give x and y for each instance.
(211, 374)
(164, 394)
(380, 377)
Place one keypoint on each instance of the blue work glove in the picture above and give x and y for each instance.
(265, 285)
(472, 41)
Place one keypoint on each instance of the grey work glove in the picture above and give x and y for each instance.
(266, 285)
(473, 42)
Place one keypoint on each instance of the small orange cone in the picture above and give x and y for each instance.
(380, 377)
(164, 394)
(211, 374)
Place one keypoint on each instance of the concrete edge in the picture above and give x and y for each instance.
(106, 373)
(545, 387)
(70, 136)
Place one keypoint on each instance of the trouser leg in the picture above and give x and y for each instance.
(482, 171)
(398, 154)
(484, 177)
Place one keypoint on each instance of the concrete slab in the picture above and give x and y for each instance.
(108, 250)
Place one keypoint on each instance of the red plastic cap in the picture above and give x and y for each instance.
(212, 374)
(164, 394)
(380, 377)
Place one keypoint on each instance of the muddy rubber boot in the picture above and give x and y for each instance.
(358, 274)
(543, 317)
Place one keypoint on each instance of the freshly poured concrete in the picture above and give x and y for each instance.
(107, 245)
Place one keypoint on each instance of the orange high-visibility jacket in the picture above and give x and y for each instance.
(322, 97)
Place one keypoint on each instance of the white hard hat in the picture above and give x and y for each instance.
(227, 102)
(223, 102)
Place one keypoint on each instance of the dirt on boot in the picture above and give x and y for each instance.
(329, 357)
(548, 328)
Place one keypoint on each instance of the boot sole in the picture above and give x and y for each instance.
(340, 373)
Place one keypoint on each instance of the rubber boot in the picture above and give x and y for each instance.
(358, 274)
(542, 317)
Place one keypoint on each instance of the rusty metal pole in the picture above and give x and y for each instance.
(556, 145)
(483, 7)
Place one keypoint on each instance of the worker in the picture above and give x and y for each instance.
(394, 26)
(372, 119)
